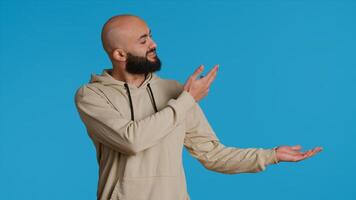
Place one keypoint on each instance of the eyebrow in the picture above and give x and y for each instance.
(144, 35)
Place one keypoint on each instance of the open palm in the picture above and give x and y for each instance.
(293, 153)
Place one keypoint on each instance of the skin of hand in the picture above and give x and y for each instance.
(294, 153)
(199, 88)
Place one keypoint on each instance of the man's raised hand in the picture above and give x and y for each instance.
(199, 88)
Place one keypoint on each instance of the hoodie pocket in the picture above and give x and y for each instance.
(157, 188)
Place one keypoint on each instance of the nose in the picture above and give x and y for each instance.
(153, 45)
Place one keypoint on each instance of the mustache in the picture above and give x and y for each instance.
(151, 51)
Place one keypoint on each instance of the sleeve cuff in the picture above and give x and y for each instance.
(185, 101)
(182, 104)
(271, 156)
(274, 156)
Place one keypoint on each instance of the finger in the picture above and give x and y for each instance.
(315, 151)
(305, 155)
(318, 149)
(296, 147)
(211, 79)
(294, 158)
(291, 152)
(213, 74)
(210, 76)
(212, 71)
(302, 158)
(197, 72)
(306, 152)
(288, 149)
(309, 154)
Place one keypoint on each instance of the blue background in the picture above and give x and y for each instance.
(287, 76)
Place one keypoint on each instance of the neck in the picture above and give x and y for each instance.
(122, 75)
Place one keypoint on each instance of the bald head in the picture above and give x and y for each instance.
(119, 31)
(129, 44)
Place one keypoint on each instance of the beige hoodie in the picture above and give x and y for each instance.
(141, 159)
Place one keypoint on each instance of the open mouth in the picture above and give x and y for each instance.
(152, 53)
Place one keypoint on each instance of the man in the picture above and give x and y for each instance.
(139, 122)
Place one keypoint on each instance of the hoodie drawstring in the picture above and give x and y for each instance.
(153, 97)
(130, 99)
(131, 107)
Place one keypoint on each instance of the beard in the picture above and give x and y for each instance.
(141, 65)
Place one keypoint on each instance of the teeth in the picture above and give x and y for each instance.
(152, 53)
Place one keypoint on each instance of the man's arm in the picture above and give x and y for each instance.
(106, 124)
(110, 128)
(203, 144)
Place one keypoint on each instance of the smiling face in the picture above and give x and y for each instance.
(128, 41)
(142, 44)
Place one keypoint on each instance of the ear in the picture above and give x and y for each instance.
(119, 55)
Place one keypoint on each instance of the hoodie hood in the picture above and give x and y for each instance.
(106, 79)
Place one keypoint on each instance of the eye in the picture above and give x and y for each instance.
(143, 41)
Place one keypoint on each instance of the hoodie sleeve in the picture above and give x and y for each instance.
(202, 143)
(109, 127)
